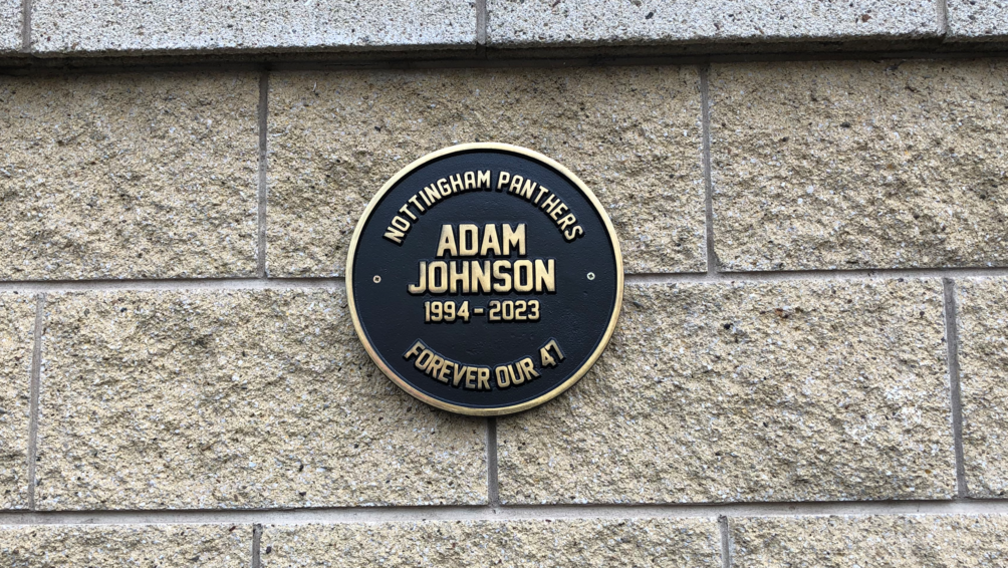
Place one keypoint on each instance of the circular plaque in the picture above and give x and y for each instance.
(484, 279)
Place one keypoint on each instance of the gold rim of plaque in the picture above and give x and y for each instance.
(501, 410)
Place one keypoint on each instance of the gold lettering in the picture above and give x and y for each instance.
(416, 203)
(516, 183)
(470, 384)
(544, 275)
(468, 233)
(447, 242)
(503, 381)
(445, 374)
(421, 287)
(551, 202)
(516, 377)
(527, 189)
(405, 210)
(480, 277)
(570, 219)
(542, 190)
(443, 186)
(483, 378)
(435, 366)
(460, 373)
(490, 242)
(529, 368)
(514, 237)
(455, 277)
(499, 272)
(394, 235)
(437, 277)
(523, 280)
(573, 233)
(558, 211)
(431, 195)
(422, 363)
(415, 350)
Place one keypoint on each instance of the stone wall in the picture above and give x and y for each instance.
(810, 364)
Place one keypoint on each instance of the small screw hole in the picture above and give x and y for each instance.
(377, 279)
(591, 276)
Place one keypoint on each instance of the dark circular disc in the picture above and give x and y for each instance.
(484, 279)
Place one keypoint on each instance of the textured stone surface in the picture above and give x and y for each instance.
(104, 26)
(859, 542)
(786, 391)
(128, 176)
(978, 19)
(10, 25)
(17, 328)
(236, 398)
(632, 134)
(457, 544)
(514, 23)
(859, 164)
(983, 381)
(112, 546)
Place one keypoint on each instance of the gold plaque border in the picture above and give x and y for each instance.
(504, 409)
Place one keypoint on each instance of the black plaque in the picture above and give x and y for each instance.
(484, 279)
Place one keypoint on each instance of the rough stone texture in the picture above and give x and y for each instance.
(632, 134)
(974, 20)
(17, 329)
(457, 544)
(837, 165)
(983, 382)
(128, 176)
(523, 23)
(240, 398)
(10, 25)
(112, 546)
(104, 26)
(859, 542)
(786, 391)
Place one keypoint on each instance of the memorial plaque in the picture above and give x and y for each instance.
(484, 279)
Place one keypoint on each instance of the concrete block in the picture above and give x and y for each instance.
(850, 542)
(848, 165)
(137, 26)
(128, 176)
(530, 23)
(17, 340)
(522, 544)
(786, 391)
(977, 20)
(633, 134)
(235, 399)
(983, 380)
(126, 546)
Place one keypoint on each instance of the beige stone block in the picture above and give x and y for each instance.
(820, 390)
(845, 165)
(115, 546)
(10, 25)
(136, 27)
(633, 135)
(983, 381)
(529, 23)
(17, 329)
(235, 398)
(527, 543)
(128, 176)
(857, 542)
